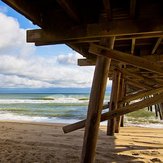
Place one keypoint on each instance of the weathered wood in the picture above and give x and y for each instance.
(140, 36)
(141, 94)
(124, 110)
(156, 110)
(139, 76)
(92, 62)
(156, 45)
(137, 84)
(94, 109)
(95, 105)
(119, 105)
(133, 45)
(127, 58)
(161, 110)
(113, 102)
(92, 31)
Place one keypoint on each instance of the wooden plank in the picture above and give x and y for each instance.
(114, 102)
(141, 94)
(91, 31)
(92, 62)
(126, 58)
(86, 62)
(139, 36)
(124, 110)
(156, 45)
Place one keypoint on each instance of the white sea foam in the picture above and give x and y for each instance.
(6, 116)
(147, 125)
(44, 101)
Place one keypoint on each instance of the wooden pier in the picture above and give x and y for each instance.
(122, 39)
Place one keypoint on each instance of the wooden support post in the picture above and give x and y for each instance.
(113, 102)
(156, 110)
(121, 94)
(124, 94)
(95, 106)
(161, 110)
(94, 109)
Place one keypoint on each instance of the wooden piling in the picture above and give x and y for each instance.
(94, 109)
(113, 102)
(119, 105)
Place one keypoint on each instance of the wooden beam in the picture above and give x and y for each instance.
(140, 36)
(69, 9)
(156, 45)
(132, 8)
(141, 94)
(124, 110)
(86, 62)
(126, 58)
(91, 31)
(92, 62)
(139, 76)
(137, 84)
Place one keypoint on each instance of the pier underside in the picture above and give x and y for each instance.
(122, 39)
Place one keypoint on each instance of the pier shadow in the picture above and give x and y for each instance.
(26, 142)
(130, 145)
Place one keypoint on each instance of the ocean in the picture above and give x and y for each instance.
(60, 108)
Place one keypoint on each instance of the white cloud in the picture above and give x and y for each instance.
(13, 38)
(21, 67)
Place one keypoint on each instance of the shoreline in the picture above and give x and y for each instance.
(46, 142)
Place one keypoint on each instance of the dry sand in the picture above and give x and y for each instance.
(41, 143)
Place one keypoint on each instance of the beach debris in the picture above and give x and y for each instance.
(156, 160)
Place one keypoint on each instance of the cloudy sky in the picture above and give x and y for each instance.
(22, 65)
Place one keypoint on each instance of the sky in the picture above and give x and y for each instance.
(23, 65)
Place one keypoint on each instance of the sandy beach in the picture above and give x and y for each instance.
(41, 143)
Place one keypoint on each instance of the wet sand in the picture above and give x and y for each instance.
(41, 143)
